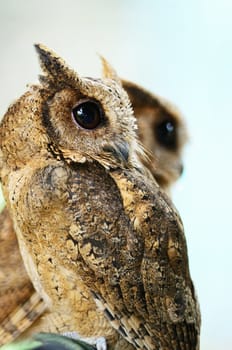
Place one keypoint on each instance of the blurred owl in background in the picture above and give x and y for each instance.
(162, 132)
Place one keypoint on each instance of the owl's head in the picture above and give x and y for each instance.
(73, 117)
(162, 131)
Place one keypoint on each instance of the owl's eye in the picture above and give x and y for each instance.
(87, 114)
(166, 134)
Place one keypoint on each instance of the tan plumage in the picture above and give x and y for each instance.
(91, 225)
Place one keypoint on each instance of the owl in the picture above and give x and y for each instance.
(94, 228)
(159, 126)
(162, 131)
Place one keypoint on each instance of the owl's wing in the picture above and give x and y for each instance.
(21, 318)
(138, 271)
(20, 305)
(14, 282)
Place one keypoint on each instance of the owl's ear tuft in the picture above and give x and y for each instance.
(54, 67)
(109, 72)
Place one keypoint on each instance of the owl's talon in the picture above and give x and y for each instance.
(101, 343)
(72, 335)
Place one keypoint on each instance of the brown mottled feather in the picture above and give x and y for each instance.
(12, 271)
(20, 305)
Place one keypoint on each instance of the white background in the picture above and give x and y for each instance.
(181, 50)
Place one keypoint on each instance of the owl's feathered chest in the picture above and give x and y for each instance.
(64, 213)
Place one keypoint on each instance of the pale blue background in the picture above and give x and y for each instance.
(181, 50)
